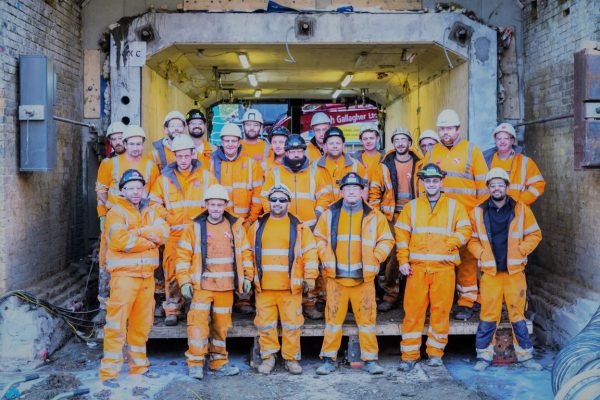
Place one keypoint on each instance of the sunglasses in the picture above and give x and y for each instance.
(278, 200)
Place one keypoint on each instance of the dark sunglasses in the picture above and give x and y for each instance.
(278, 200)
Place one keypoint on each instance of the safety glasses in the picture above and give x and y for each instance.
(278, 200)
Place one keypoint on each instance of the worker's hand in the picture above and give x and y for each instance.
(247, 286)
(187, 291)
(102, 223)
(246, 224)
(405, 269)
(308, 284)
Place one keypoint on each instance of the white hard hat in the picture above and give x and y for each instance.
(448, 117)
(280, 188)
(182, 142)
(133, 131)
(507, 128)
(401, 131)
(429, 134)
(320, 118)
(230, 129)
(116, 127)
(497, 173)
(252, 114)
(216, 192)
(174, 115)
(368, 128)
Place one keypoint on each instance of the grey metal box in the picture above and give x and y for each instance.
(37, 133)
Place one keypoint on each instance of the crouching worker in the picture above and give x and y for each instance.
(135, 231)
(505, 232)
(213, 259)
(353, 239)
(286, 259)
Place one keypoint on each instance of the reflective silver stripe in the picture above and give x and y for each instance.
(451, 209)
(401, 245)
(312, 186)
(461, 175)
(148, 169)
(112, 325)
(329, 264)
(222, 310)
(351, 267)
(200, 306)
(185, 203)
(297, 281)
(182, 266)
(312, 222)
(247, 263)
(311, 265)
(275, 252)
(346, 238)
(462, 222)
(218, 343)
(426, 229)
(240, 185)
(179, 227)
(516, 261)
(402, 195)
(275, 268)
(227, 274)
(266, 327)
(307, 248)
(366, 328)
(402, 226)
(268, 352)
(534, 191)
(137, 349)
(434, 257)
(328, 354)
(371, 268)
(110, 366)
(364, 354)
(413, 214)
(332, 328)
(196, 277)
(516, 186)
(303, 195)
(130, 243)
(218, 356)
(460, 191)
(133, 262)
(480, 177)
(375, 184)
(531, 229)
(415, 347)
(437, 335)
(461, 237)
(464, 289)
(434, 343)
(241, 210)
(193, 357)
(469, 295)
(114, 356)
(139, 361)
(290, 327)
(534, 179)
(115, 227)
(198, 343)
(411, 335)
(256, 200)
(116, 176)
(224, 260)
(487, 263)
(482, 235)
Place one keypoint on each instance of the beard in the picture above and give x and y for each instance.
(197, 133)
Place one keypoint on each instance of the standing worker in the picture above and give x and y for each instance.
(429, 232)
(319, 124)
(369, 156)
(173, 124)
(277, 139)
(505, 232)
(114, 133)
(286, 261)
(179, 190)
(253, 145)
(353, 240)
(213, 260)
(196, 123)
(135, 231)
(465, 181)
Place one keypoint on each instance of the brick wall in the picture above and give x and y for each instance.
(565, 279)
(41, 214)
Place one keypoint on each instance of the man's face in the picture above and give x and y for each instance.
(134, 192)
(334, 146)
(497, 189)
(196, 128)
(279, 203)
(319, 131)
(134, 146)
(184, 159)
(174, 127)
(352, 194)
(116, 142)
(295, 154)
(216, 208)
(504, 141)
(278, 145)
(252, 129)
(401, 144)
(369, 140)
(230, 144)
(426, 145)
(432, 186)
(449, 134)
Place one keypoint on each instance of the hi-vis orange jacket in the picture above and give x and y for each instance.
(192, 252)
(337, 170)
(524, 235)
(377, 240)
(109, 175)
(162, 155)
(131, 252)
(313, 151)
(258, 151)
(311, 189)
(466, 169)
(431, 238)
(243, 179)
(302, 256)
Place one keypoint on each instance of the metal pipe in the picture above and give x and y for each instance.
(541, 121)
(70, 121)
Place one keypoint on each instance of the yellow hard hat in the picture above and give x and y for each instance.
(133, 131)
(448, 117)
(216, 192)
(497, 173)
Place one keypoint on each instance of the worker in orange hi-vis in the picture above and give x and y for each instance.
(370, 156)
(179, 190)
(429, 231)
(319, 124)
(286, 262)
(214, 259)
(253, 145)
(135, 232)
(465, 181)
(107, 189)
(173, 124)
(277, 139)
(196, 124)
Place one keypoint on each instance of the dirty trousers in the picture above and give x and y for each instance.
(129, 313)
(511, 289)
(362, 298)
(209, 317)
(433, 289)
(173, 300)
(466, 279)
(391, 281)
(272, 305)
(103, 274)
(311, 298)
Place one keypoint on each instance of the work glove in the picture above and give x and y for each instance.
(405, 269)
(187, 291)
(102, 223)
(247, 286)
(308, 284)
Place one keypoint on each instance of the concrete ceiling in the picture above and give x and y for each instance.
(208, 73)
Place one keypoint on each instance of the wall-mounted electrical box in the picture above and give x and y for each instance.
(37, 131)
(587, 109)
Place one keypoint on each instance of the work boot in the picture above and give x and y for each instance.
(111, 383)
(100, 318)
(320, 306)
(385, 306)
(159, 311)
(267, 365)
(245, 309)
(481, 365)
(150, 374)
(463, 313)
(312, 312)
(227, 370)
(406, 366)
(373, 368)
(434, 362)
(532, 364)
(196, 372)
(293, 367)
(171, 320)
(327, 367)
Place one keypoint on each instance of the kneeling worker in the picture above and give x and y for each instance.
(213, 260)
(353, 239)
(286, 259)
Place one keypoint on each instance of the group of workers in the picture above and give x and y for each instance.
(302, 227)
